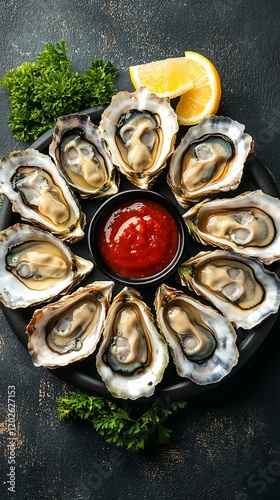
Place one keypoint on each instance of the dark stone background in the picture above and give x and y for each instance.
(226, 443)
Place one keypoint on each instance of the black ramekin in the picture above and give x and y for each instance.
(116, 200)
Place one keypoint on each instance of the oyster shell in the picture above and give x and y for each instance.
(40, 194)
(248, 224)
(240, 287)
(68, 330)
(35, 266)
(79, 153)
(140, 131)
(202, 341)
(210, 158)
(133, 355)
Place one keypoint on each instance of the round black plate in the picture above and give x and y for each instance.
(82, 374)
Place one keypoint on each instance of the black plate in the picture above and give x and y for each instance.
(82, 374)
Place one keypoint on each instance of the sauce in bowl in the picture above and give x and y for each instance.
(138, 238)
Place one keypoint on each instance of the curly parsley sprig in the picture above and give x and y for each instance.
(116, 423)
(41, 92)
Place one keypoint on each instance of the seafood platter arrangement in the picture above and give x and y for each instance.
(178, 306)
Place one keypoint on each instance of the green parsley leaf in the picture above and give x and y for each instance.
(115, 421)
(54, 57)
(97, 83)
(41, 92)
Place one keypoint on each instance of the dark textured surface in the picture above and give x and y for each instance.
(225, 444)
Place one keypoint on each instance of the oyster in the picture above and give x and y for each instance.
(210, 158)
(133, 355)
(202, 341)
(68, 330)
(79, 153)
(35, 266)
(240, 287)
(140, 131)
(40, 194)
(248, 224)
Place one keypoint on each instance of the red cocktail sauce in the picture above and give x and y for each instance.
(138, 238)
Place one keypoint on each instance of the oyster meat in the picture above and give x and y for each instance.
(68, 330)
(240, 287)
(40, 194)
(133, 355)
(140, 131)
(202, 341)
(210, 158)
(248, 224)
(36, 267)
(79, 153)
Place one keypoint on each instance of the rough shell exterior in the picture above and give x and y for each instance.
(72, 229)
(256, 199)
(81, 124)
(210, 126)
(42, 355)
(246, 318)
(143, 100)
(142, 382)
(14, 293)
(225, 355)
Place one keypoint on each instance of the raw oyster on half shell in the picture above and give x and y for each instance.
(68, 330)
(248, 224)
(240, 287)
(78, 151)
(36, 267)
(202, 341)
(133, 356)
(140, 131)
(210, 158)
(40, 194)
